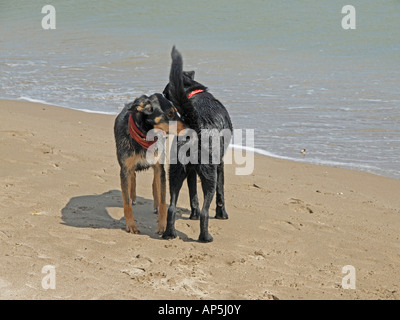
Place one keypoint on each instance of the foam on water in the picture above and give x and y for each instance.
(33, 100)
(349, 165)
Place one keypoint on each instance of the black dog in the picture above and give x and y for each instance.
(130, 130)
(200, 110)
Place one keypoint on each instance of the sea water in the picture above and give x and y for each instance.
(286, 69)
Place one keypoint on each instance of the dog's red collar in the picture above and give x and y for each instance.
(194, 92)
(138, 135)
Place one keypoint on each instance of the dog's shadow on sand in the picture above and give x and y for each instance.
(104, 211)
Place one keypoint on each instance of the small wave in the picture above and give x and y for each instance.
(72, 68)
(34, 100)
(98, 112)
(259, 151)
(371, 100)
(21, 64)
(316, 161)
(60, 106)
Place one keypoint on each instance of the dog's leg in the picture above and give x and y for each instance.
(128, 213)
(176, 177)
(220, 211)
(194, 200)
(162, 210)
(133, 187)
(208, 176)
(159, 192)
(156, 189)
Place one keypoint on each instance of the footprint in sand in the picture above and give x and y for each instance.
(139, 266)
(288, 224)
(298, 205)
(21, 135)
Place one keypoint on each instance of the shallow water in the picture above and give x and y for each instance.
(287, 69)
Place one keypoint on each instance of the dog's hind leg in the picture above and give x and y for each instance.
(177, 175)
(159, 193)
(156, 189)
(208, 176)
(194, 200)
(220, 210)
(132, 187)
(128, 213)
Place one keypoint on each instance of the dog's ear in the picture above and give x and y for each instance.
(166, 91)
(141, 104)
(190, 74)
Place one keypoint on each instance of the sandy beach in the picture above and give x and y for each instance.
(292, 226)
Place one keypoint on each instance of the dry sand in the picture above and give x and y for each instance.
(292, 226)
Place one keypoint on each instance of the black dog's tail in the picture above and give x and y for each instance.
(177, 91)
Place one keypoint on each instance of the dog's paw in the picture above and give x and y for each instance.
(170, 234)
(161, 228)
(221, 213)
(132, 228)
(195, 215)
(206, 237)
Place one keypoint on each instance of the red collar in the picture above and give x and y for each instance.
(194, 92)
(138, 135)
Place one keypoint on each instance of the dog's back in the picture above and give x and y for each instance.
(211, 113)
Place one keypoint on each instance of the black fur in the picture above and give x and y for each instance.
(202, 111)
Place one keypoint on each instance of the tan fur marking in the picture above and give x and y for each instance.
(162, 126)
(129, 193)
(140, 107)
(131, 161)
(133, 186)
(166, 127)
(128, 213)
(156, 189)
(179, 127)
(157, 120)
(159, 194)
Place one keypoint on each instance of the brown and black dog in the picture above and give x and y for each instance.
(130, 131)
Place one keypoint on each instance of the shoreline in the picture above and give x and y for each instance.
(292, 226)
(255, 150)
